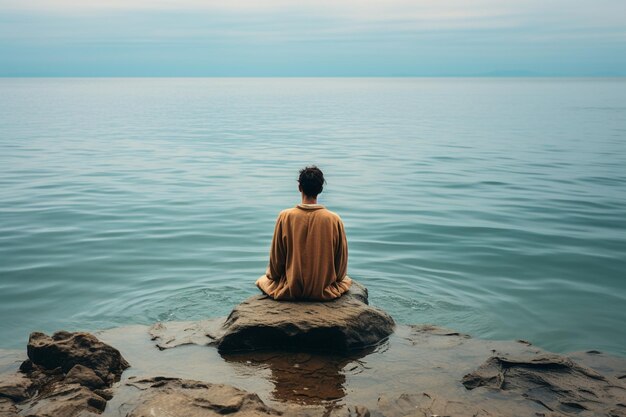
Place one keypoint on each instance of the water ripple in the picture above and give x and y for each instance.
(495, 207)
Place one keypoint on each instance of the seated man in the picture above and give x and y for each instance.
(309, 253)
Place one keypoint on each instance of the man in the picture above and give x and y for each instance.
(309, 253)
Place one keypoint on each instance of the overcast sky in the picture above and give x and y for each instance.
(312, 37)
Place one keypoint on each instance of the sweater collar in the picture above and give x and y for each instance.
(310, 206)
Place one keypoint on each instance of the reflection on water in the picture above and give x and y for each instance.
(304, 378)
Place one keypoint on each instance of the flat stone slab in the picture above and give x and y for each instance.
(176, 397)
(342, 325)
(171, 334)
(180, 397)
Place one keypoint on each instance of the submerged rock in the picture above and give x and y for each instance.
(177, 333)
(340, 325)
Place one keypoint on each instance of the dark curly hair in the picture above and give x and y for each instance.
(311, 180)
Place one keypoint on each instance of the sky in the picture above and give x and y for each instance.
(312, 38)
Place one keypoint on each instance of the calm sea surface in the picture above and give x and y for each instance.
(496, 207)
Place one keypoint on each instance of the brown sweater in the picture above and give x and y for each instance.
(308, 257)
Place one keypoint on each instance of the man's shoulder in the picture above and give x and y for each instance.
(287, 211)
(330, 214)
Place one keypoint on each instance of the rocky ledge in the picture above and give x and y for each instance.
(422, 371)
(301, 359)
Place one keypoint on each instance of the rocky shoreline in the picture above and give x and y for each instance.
(302, 359)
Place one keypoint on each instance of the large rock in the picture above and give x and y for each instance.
(66, 375)
(65, 350)
(342, 325)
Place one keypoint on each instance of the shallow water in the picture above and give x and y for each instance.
(413, 362)
(496, 207)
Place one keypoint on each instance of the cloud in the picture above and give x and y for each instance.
(418, 32)
(433, 15)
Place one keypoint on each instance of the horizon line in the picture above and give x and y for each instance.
(326, 76)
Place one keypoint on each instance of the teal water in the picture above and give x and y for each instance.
(496, 207)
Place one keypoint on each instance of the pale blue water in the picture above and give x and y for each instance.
(496, 207)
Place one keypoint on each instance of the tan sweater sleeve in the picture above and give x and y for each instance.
(276, 268)
(341, 253)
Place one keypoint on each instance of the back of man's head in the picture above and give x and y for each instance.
(311, 181)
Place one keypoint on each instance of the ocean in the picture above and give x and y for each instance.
(495, 207)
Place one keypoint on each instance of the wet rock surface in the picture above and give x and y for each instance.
(84, 376)
(65, 375)
(7, 408)
(341, 325)
(17, 387)
(68, 400)
(553, 381)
